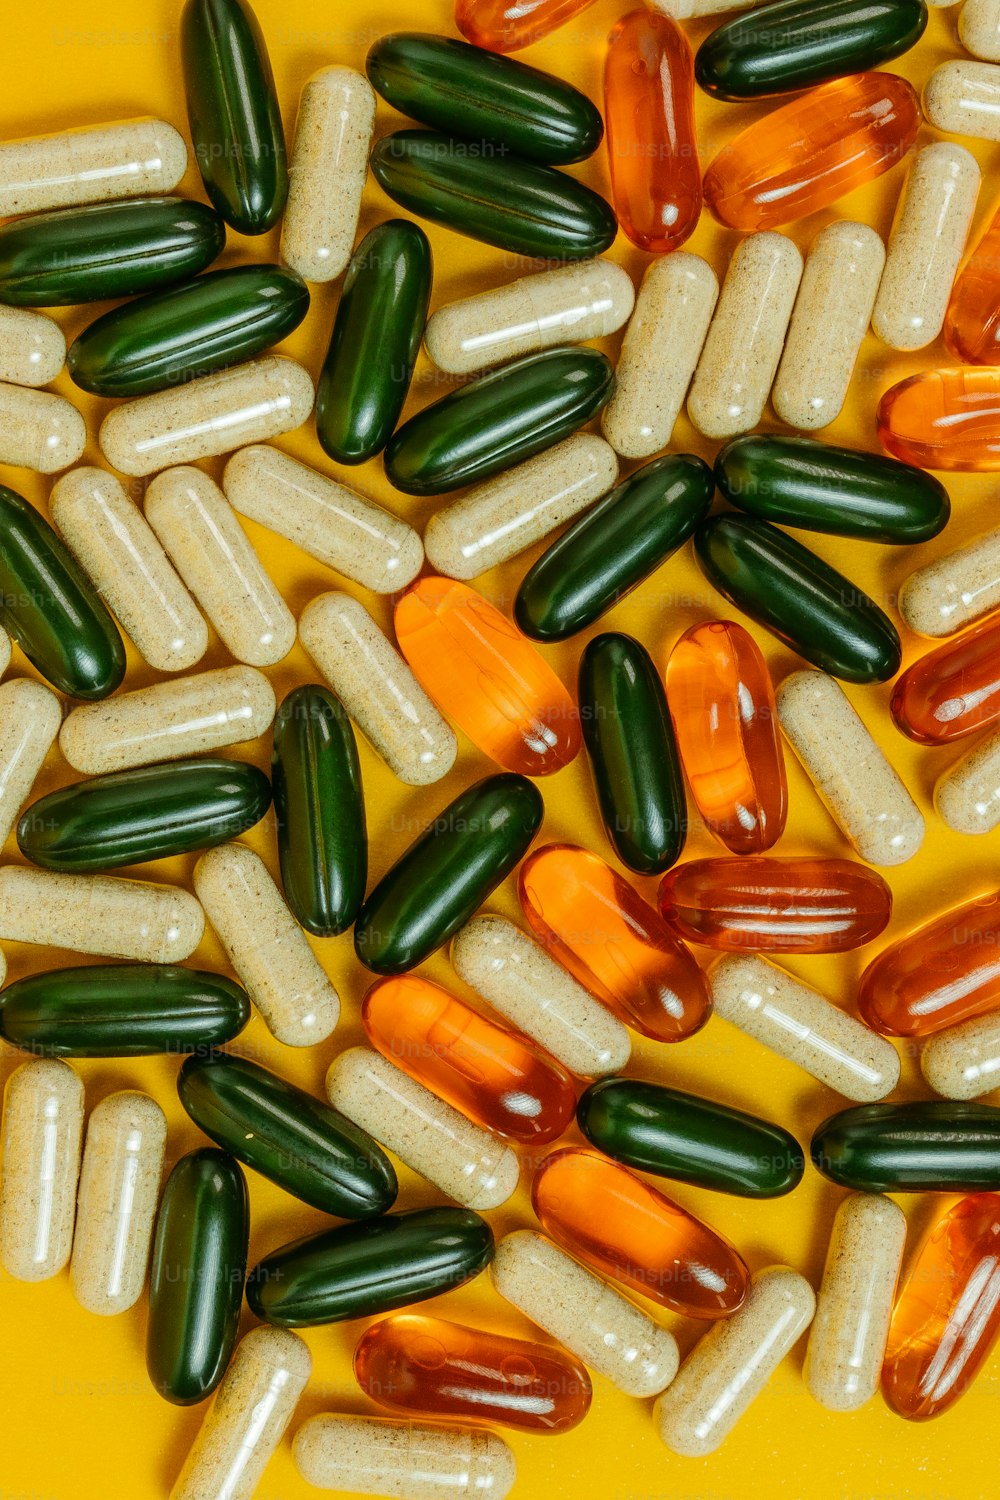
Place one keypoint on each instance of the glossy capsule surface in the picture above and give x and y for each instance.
(955, 589)
(972, 322)
(99, 914)
(952, 691)
(927, 1146)
(126, 158)
(375, 1456)
(944, 419)
(509, 25)
(333, 132)
(40, 1158)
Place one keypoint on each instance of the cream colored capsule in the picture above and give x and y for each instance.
(211, 415)
(963, 98)
(248, 1417)
(39, 1167)
(376, 1456)
(266, 946)
(126, 159)
(731, 1364)
(796, 1022)
(596, 1323)
(954, 590)
(30, 716)
(859, 788)
(498, 519)
(738, 363)
(5, 651)
(659, 353)
(691, 10)
(967, 796)
(451, 1151)
(101, 914)
(116, 1205)
(38, 430)
(333, 136)
(539, 997)
(32, 347)
(979, 28)
(964, 1061)
(332, 523)
(831, 317)
(378, 689)
(847, 1341)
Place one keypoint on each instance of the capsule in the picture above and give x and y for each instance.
(931, 1146)
(741, 353)
(689, 10)
(509, 25)
(971, 331)
(812, 151)
(967, 796)
(40, 1155)
(944, 419)
(953, 590)
(112, 542)
(211, 415)
(266, 946)
(848, 1336)
(373, 1456)
(979, 29)
(855, 782)
(964, 1061)
(99, 914)
(952, 691)
(39, 430)
(963, 98)
(730, 1366)
(798, 1023)
(329, 165)
(337, 526)
(413, 1363)
(30, 718)
(486, 1071)
(722, 705)
(123, 160)
(32, 346)
(119, 1192)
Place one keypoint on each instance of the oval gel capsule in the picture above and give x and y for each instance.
(30, 719)
(926, 1146)
(39, 1167)
(374, 1456)
(32, 347)
(954, 590)
(970, 325)
(967, 796)
(99, 914)
(952, 691)
(328, 169)
(38, 430)
(963, 98)
(123, 160)
(944, 419)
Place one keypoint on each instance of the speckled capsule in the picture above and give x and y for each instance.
(38, 430)
(30, 719)
(99, 914)
(39, 1167)
(329, 164)
(963, 98)
(967, 796)
(954, 590)
(32, 347)
(126, 159)
(375, 1456)
(979, 29)
(690, 10)
(964, 1061)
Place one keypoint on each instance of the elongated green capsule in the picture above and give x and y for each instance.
(690, 1139)
(930, 1146)
(361, 1269)
(233, 113)
(122, 1010)
(51, 608)
(375, 341)
(633, 754)
(171, 337)
(806, 603)
(146, 813)
(843, 491)
(475, 189)
(196, 1276)
(614, 546)
(447, 873)
(307, 1148)
(498, 420)
(467, 91)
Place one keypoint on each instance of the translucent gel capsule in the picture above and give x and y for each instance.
(38, 430)
(32, 347)
(327, 175)
(944, 419)
(972, 322)
(99, 914)
(954, 590)
(963, 98)
(509, 25)
(613, 942)
(373, 1456)
(30, 718)
(124, 160)
(967, 797)
(979, 29)
(39, 1167)
(964, 1061)
(722, 705)
(610, 1219)
(952, 691)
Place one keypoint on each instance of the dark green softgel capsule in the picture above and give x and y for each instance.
(196, 1276)
(468, 91)
(375, 341)
(499, 420)
(307, 1148)
(633, 754)
(842, 491)
(690, 1139)
(447, 873)
(614, 546)
(797, 44)
(146, 813)
(362, 1269)
(807, 604)
(931, 1146)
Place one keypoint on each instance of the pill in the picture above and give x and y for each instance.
(508, 25)
(746, 336)
(596, 1323)
(848, 1335)
(123, 160)
(211, 415)
(979, 29)
(963, 98)
(39, 1167)
(108, 536)
(32, 347)
(952, 591)
(216, 559)
(119, 1191)
(266, 946)
(857, 785)
(926, 1146)
(378, 689)
(30, 718)
(39, 430)
(971, 322)
(328, 168)
(375, 1456)
(689, 10)
(730, 1366)
(964, 1061)
(459, 1157)
(100, 914)
(967, 796)
(335, 525)
(798, 1023)
(952, 691)
(832, 312)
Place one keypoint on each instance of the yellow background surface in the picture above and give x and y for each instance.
(80, 1420)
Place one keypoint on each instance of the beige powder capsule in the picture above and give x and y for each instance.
(329, 164)
(126, 159)
(404, 1460)
(963, 98)
(332, 523)
(101, 914)
(954, 590)
(30, 716)
(39, 1167)
(32, 347)
(979, 28)
(690, 10)
(964, 1061)
(38, 430)
(967, 796)
(451, 1151)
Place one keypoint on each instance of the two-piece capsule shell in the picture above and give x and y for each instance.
(39, 1167)
(374, 1456)
(99, 914)
(963, 98)
(967, 796)
(328, 169)
(39, 430)
(979, 29)
(964, 1061)
(32, 347)
(126, 159)
(953, 590)
(30, 720)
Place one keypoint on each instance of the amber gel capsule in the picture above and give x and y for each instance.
(953, 691)
(972, 322)
(944, 419)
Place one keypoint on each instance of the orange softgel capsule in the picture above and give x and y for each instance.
(493, 1075)
(610, 1219)
(775, 905)
(509, 25)
(413, 1363)
(613, 942)
(486, 677)
(972, 322)
(947, 1314)
(721, 701)
(952, 691)
(652, 145)
(944, 419)
(812, 151)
